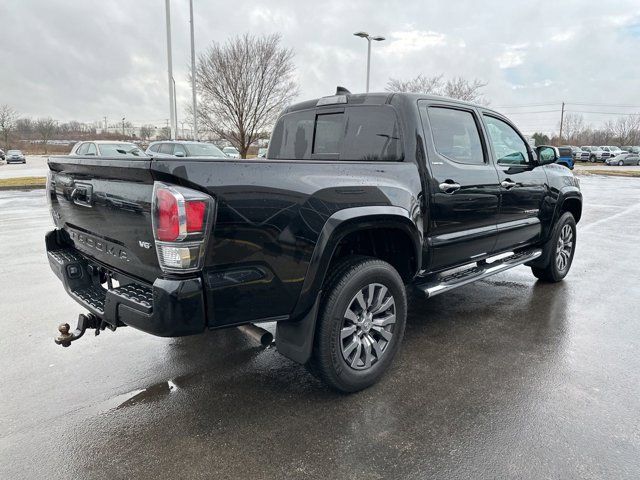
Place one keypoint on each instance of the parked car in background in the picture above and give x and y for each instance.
(15, 156)
(565, 157)
(1, 154)
(631, 149)
(599, 154)
(231, 152)
(176, 148)
(589, 149)
(262, 152)
(624, 159)
(106, 148)
(579, 155)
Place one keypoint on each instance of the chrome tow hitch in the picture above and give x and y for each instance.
(84, 321)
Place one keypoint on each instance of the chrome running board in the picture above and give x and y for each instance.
(443, 282)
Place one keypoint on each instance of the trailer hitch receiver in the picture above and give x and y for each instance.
(65, 337)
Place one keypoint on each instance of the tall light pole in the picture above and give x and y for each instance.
(368, 37)
(172, 112)
(193, 77)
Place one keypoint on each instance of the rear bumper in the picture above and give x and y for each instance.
(167, 308)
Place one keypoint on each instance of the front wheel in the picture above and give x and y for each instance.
(360, 325)
(563, 246)
(620, 163)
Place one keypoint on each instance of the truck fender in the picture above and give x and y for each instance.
(570, 193)
(294, 338)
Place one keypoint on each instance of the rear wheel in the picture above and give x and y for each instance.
(360, 325)
(563, 245)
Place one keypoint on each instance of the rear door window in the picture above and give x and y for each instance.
(455, 135)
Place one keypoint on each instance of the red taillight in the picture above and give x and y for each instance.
(196, 211)
(181, 225)
(168, 222)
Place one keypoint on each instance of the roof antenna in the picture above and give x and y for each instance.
(342, 91)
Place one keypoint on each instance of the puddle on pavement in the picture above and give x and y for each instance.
(150, 394)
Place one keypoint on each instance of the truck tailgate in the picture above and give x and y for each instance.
(104, 205)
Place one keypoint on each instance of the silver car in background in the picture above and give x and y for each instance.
(15, 156)
(182, 149)
(624, 159)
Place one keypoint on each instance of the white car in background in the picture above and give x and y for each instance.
(231, 152)
(107, 148)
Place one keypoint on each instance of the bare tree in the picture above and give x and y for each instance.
(146, 131)
(24, 126)
(420, 84)
(243, 86)
(573, 126)
(45, 128)
(8, 117)
(626, 129)
(466, 90)
(458, 87)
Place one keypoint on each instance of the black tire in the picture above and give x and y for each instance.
(592, 159)
(556, 269)
(350, 278)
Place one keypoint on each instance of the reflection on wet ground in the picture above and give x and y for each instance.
(504, 378)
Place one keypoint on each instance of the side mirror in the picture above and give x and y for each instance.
(547, 154)
(179, 154)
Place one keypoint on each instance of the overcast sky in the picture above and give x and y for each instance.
(82, 60)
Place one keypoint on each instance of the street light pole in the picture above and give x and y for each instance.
(368, 37)
(193, 77)
(172, 112)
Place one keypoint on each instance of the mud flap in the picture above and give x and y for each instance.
(294, 339)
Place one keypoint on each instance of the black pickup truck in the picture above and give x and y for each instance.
(361, 197)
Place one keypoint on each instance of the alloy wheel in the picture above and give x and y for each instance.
(367, 326)
(564, 248)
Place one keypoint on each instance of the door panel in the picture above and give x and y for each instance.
(523, 186)
(464, 194)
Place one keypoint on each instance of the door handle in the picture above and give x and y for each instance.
(508, 184)
(449, 186)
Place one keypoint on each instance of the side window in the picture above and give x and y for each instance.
(508, 146)
(166, 148)
(154, 148)
(372, 134)
(91, 149)
(455, 135)
(179, 149)
(82, 149)
(328, 135)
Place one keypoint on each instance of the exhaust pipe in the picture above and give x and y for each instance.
(256, 333)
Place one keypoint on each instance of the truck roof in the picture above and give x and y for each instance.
(379, 98)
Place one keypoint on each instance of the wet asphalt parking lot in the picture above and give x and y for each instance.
(504, 378)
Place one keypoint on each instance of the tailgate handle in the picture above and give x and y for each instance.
(82, 194)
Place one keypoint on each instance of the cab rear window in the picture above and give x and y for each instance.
(359, 133)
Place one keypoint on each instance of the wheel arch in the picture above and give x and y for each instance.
(294, 338)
